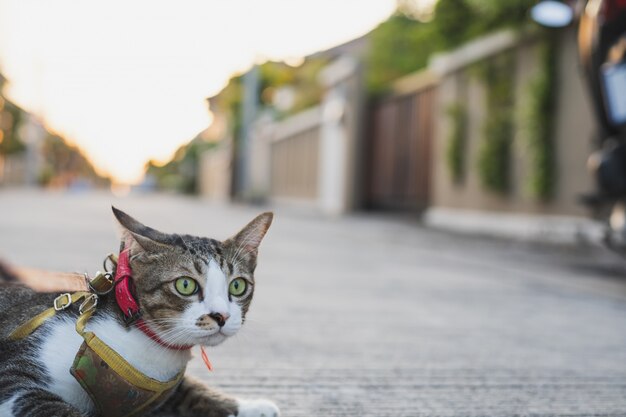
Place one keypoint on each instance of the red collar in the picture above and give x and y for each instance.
(128, 304)
(141, 325)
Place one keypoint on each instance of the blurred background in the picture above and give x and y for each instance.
(440, 243)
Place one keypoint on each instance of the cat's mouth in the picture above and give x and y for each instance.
(213, 339)
(217, 335)
(210, 337)
(204, 337)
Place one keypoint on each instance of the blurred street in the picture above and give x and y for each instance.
(375, 316)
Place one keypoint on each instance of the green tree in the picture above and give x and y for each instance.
(65, 162)
(398, 46)
(180, 173)
(402, 45)
(455, 22)
(11, 116)
(494, 14)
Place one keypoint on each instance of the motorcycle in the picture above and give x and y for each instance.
(602, 53)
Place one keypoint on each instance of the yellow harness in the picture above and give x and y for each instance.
(116, 387)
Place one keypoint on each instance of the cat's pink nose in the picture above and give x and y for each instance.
(220, 318)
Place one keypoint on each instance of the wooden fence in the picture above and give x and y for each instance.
(294, 155)
(399, 159)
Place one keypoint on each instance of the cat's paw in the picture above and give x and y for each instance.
(257, 408)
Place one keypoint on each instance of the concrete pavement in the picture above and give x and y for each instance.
(375, 316)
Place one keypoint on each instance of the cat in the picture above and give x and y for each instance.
(191, 291)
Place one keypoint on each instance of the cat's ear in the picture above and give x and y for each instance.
(249, 238)
(136, 233)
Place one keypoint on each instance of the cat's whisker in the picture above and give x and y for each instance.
(170, 333)
(171, 338)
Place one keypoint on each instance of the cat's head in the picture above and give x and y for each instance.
(193, 290)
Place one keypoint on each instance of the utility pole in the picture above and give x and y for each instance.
(248, 116)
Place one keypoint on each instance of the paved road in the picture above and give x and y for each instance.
(372, 316)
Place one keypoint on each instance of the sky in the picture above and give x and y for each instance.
(127, 80)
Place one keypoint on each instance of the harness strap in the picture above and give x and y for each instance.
(114, 359)
(60, 303)
(118, 363)
(149, 391)
(81, 322)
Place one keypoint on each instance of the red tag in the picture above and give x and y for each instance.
(205, 358)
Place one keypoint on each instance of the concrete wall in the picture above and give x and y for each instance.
(25, 167)
(215, 167)
(341, 146)
(293, 158)
(574, 127)
(14, 170)
(214, 176)
(314, 158)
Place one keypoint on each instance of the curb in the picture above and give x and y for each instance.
(568, 230)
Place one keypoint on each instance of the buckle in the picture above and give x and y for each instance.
(102, 283)
(110, 262)
(130, 318)
(88, 304)
(62, 302)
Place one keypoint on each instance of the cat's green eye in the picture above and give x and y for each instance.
(186, 286)
(237, 286)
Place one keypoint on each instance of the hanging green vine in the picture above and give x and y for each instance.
(539, 123)
(455, 153)
(495, 151)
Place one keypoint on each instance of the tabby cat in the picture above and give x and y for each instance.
(190, 291)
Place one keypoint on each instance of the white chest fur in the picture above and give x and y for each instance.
(59, 349)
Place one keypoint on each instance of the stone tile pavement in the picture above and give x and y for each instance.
(375, 316)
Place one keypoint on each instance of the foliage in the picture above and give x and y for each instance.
(497, 13)
(421, 10)
(10, 117)
(303, 80)
(65, 163)
(495, 151)
(494, 154)
(459, 21)
(539, 123)
(457, 142)
(455, 22)
(180, 173)
(398, 47)
(273, 76)
(401, 45)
